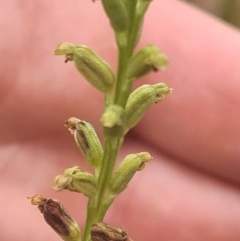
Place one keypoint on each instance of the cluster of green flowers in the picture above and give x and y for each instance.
(124, 108)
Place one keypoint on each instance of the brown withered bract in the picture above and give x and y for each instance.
(54, 214)
(105, 232)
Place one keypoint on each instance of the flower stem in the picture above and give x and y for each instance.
(89, 219)
(126, 42)
(110, 153)
(122, 88)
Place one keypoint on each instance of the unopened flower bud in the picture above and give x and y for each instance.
(86, 140)
(112, 116)
(126, 170)
(146, 60)
(117, 14)
(95, 70)
(57, 217)
(112, 120)
(73, 179)
(141, 99)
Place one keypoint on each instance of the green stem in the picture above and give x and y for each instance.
(122, 88)
(96, 209)
(98, 206)
(90, 217)
(109, 157)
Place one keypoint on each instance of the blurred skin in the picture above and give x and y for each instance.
(191, 189)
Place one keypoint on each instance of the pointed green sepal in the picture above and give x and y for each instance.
(140, 100)
(95, 70)
(146, 60)
(126, 170)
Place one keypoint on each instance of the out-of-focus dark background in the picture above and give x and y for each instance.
(228, 10)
